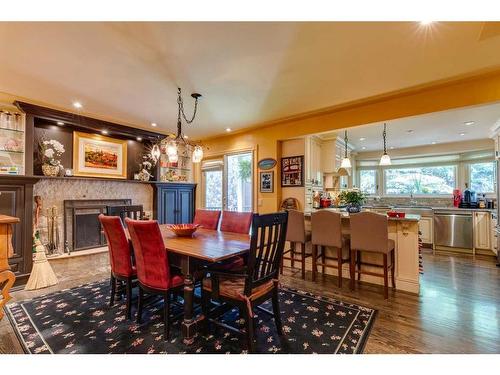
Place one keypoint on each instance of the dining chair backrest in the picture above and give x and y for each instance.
(120, 253)
(208, 219)
(135, 211)
(326, 228)
(369, 232)
(266, 249)
(236, 222)
(296, 231)
(151, 258)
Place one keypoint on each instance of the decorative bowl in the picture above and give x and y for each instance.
(396, 214)
(183, 230)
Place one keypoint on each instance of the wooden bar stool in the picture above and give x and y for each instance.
(326, 227)
(296, 234)
(369, 233)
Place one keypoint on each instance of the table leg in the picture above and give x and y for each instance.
(189, 323)
(9, 278)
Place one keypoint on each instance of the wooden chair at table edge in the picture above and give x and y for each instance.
(120, 258)
(369, 233)
(326, 229)
(257, 283)
(296, 233)
(158, 280)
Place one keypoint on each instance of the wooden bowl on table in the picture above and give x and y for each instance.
(183, 230)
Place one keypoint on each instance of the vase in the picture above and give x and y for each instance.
(353, 208)
(50, 170)
(144, 176)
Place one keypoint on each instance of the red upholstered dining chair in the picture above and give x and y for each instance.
(236, 222)
(120, 257)
(208, 219)
(153, 270)
(254, 284)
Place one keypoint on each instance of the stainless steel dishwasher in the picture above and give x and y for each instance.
(453, 229)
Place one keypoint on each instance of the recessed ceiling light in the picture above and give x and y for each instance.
(433, 142)
(462, 134)
(469, 123)
(60, 123)
(228, 129)
(104, 131)
(154, 124)
(392, 147)
(139, 139)
(410, 131)
(77, 105)
(186, 137)
(363, 148)
(426, 23)
(362, 139)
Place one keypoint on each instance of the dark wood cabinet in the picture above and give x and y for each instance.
(174, 203)
(16, 199)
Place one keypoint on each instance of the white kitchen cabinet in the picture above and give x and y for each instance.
(328, 156)
(482, 230)
(313, 160)
(426, 228)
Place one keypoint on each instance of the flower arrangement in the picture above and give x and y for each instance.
(51, 152)
(145, 167)
(353, 199)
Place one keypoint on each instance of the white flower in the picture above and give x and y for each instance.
(49, 153)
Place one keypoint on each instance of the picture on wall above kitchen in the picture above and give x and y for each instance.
(292, 171)
(99, 156)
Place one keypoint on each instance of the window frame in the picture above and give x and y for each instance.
(495, 171)
(377, 184)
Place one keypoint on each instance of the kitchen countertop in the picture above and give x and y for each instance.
(408, 217)
(434, 208)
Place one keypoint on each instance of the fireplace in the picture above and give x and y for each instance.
(82, 229)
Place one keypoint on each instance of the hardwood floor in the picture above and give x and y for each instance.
(458, 310)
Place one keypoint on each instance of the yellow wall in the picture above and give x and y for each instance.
(432, 98)
(292, 147)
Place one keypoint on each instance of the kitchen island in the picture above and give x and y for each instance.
(404, 232)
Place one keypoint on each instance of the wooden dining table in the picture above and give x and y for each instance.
(191, 254)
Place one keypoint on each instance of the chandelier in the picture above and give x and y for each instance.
(173, 144)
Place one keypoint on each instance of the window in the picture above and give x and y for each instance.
(368, 181)
(426, 180)
(482, 177)
(227, 183)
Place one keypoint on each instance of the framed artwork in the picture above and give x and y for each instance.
(292, 171)
(267, 182)
(99, 156)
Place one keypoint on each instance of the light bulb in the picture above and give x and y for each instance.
(172, 152)
(385, 160)
(346, 163)
(197, 154)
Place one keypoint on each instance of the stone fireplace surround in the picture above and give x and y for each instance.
(54, 191)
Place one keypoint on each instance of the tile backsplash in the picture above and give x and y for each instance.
(394, 201)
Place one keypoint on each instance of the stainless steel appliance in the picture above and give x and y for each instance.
(453, 229)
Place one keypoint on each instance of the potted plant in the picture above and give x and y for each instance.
(353, 199)
(51, 152)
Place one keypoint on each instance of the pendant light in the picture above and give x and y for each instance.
(197, 154)
(346, 162)
(385, 159)
(155, 152)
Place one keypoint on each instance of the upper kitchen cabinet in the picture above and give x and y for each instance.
(313, 156)
(332, 153)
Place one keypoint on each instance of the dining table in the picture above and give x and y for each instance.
(192, 254)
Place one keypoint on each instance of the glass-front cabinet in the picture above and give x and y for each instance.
(180, 171)
(12, 140)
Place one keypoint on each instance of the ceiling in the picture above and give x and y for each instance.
(438, 127)
(248, 73)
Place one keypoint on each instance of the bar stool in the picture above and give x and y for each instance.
(326, 229)
(296, 233)
(369, 233)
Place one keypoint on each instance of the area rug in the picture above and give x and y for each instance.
(79, 320)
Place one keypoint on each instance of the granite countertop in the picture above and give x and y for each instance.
(408, 217)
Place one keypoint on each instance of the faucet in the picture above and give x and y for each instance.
(413, 202)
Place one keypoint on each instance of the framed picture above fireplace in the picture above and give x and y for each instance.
(99, 156)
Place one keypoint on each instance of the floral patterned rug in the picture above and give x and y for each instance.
(79, 320)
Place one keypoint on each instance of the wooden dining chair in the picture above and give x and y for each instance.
(153, 269)
(208, 219)
(135, 211)
(297, 234)
(120, 258)
(326, 234)
(249, 287)
(369, 234)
